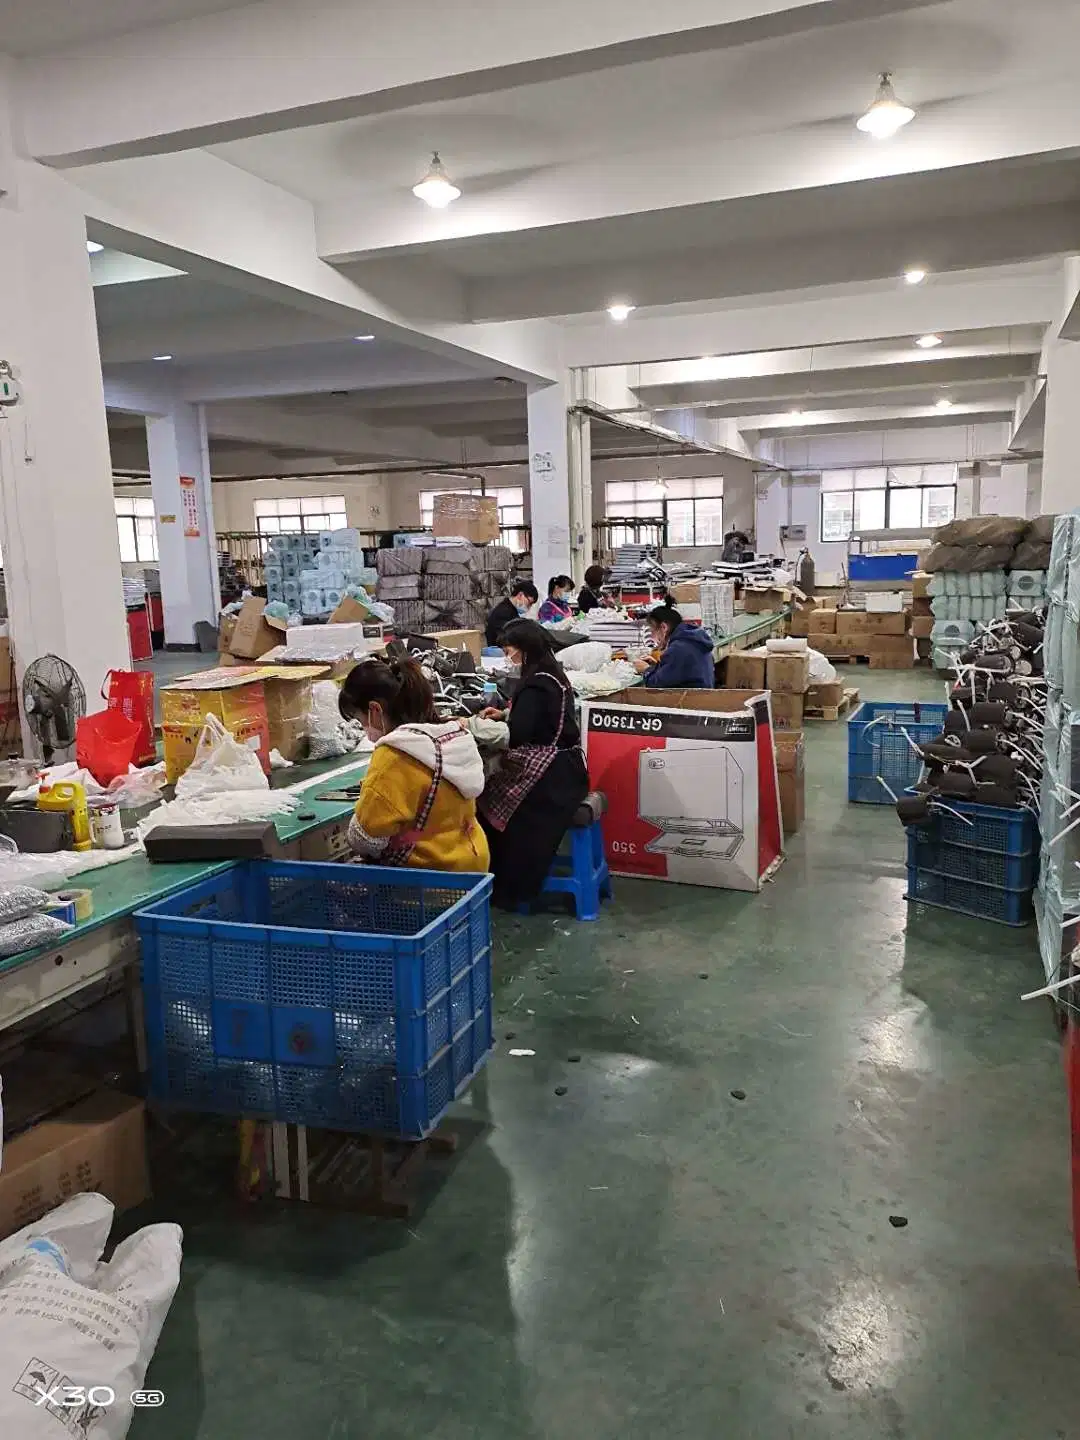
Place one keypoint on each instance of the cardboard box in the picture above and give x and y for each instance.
(888, 652)
(764, 602)
(254, 633)
(470, 640)
(887, 624)
(823, 622)
(787, 710)
(688, 593)
(799, 624)
(351, 610)
(884, 602)
(922, 626)
(99, 1144)
(470, 517)
(288, 706)
(691, 782)
(234, 694)
(791, 773)
(922, 605)
(745, 669)
(818, 696)
(851, 624)
(920, 585)
(788, 674)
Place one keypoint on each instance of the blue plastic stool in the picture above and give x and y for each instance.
(582, 873)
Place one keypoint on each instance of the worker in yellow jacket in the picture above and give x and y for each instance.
(417, 804)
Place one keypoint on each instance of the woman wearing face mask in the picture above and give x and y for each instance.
(557, 605)
(591, 597)
(417, 805)
(529, 802)
(685, 653)
(523, 596)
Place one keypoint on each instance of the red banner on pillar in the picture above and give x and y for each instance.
(189, 503)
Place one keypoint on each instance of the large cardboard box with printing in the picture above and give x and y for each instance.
(691, 782)
(99, 1144)
(470, 517)
(234, 694)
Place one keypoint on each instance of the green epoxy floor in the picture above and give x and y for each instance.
(648, 1257)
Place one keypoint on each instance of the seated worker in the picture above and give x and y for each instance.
(557, 605)
(523, 597)
(417, 804)
(685, 653)
(529, 802)
(590, 597)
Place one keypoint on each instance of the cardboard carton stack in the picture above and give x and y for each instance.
(882, 636)
(785, 676)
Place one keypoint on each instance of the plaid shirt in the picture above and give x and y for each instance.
(523, 766)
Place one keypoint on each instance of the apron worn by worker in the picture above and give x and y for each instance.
(399, 850)
(522, 768)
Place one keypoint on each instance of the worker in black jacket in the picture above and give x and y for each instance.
(522, 597)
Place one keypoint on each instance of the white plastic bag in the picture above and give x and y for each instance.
(221, 763)
(76, 1336)
(590, 656)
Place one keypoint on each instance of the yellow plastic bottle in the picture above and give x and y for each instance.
(68, 795)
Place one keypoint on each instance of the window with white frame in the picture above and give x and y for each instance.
(510, 500)
(693, 509)
(880, 497)
(136, 528)
(300, 514)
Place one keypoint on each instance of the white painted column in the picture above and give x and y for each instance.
(1061, 440)
(549, 483)
(57, 520)
(184, 514)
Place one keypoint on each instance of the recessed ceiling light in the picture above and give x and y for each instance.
(794, 414)
(928, 342)
(944, 403)
(436, 188)
(619, 311)
(886, 114)
(915, 276)
(92, 247)
(162, 357)
(363, 338)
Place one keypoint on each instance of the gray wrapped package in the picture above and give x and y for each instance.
(449, 560)
(400, 587)
(1032, 555)
(447, 589)
(30, 932)
(18, 901)
(998, 530)
(404, 560)
(493, 557)
(409, 617)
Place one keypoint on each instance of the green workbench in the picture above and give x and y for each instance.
(106, 942)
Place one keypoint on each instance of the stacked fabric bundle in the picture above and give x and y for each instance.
(442, 587)
(1057, 899)
(980, 568)
(718, 606)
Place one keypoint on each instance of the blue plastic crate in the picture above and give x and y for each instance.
(345, 996)
(878, 746)
(969, 897)
(927, 851)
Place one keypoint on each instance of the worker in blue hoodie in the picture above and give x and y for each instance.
(685, 653)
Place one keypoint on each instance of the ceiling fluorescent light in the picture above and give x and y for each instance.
(886, 114)
(363, 338)
(944, 404)
(619, 311)
(914, 276)
(162, 357)
(928, 342)
(436, 188)
(93, 248)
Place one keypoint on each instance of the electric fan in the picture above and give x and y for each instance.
(53, 701)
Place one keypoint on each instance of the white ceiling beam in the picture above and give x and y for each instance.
(247, 71)
(876, 417)
(711, 169)
(205, 216)
(783, 321)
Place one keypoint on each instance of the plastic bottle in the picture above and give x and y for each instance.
(68, 795)
(491, 695)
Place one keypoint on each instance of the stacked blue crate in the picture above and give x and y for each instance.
(980, 861)
(349, 997)
(880, 733)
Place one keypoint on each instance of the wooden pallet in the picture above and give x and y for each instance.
(848, 702)
(876, 662)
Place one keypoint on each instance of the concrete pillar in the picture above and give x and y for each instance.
(549, 483)
(57, 520)
(183, 510)
(1061, 437)
(739, 500)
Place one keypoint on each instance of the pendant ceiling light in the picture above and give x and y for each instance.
(886, 114)
(436, 188)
